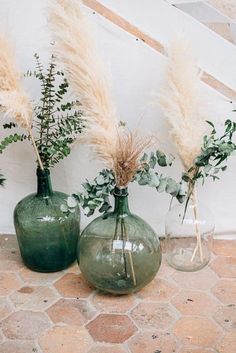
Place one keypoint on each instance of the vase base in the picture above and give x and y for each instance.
(182, 260)
(47, 270)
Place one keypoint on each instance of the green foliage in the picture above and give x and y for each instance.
(214, 154)
(70, 205)
(2, 180)
(149, 177)
(56, 122)
(10, 139)
(97, 193)
(213, 158)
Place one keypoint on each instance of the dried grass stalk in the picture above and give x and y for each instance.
(13, 99)
(129, 149)
(183, 102)
(118, 148)
(76, 49)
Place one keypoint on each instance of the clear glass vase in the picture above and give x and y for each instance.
(119, 252)
(47, 236)
(189, 234)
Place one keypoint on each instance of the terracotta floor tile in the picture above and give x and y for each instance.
(65, 339)
(18, 347)
(226, 317)
(5, 308)
(158, 316)
(113, 304)
(10, 260)
(8, 242)
(25, 325)
(153, 342)
(37, 278)
(224, 266)
(224, 247)
(74, 268)
(196, 350)
(158, 290)
(165, 270)
(33, 297)
(111, 328)
(228, 343)
(197, 331)
(190, 302)
(225, 291)
(2, 338)
(203, 279)
(73, 286)
(177, 312)
(71, 312)
(8, 282)
(108, 349)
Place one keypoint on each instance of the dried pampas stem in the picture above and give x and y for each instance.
(13, 99)
(185, 108)
(198, 232)
(183, 102)
(118, 148)
(36, 150)
(76, 49)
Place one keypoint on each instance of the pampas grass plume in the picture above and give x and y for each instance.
(183, 101)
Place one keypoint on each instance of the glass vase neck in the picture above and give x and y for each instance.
(121, 201)
(44, 183)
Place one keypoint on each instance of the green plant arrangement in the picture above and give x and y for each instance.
(47, 235)
(55, 123)
(97, 193)
(203, 152)
(118, 252)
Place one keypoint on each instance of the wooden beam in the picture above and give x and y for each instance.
(153, 43)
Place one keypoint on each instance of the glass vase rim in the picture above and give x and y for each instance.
(42, 172)
(120, 191)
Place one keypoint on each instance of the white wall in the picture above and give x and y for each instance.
(136, 71)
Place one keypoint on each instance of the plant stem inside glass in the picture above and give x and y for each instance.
(189, 232)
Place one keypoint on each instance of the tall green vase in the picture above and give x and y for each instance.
(119, 252)
(47, 236)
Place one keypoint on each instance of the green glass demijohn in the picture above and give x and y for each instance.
(119, 252)
(47, 236)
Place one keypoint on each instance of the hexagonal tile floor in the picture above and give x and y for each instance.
(60, 313)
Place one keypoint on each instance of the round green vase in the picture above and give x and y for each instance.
(119, 252)
(46, 235)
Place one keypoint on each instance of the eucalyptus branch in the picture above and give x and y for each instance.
(96, 194)
(56, 122)
(215, 152)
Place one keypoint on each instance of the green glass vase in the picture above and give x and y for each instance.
(119, 252)
(47, 236)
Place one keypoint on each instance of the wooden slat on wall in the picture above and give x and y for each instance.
(153, 43)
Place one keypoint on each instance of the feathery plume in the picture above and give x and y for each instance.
(119, 149)
(76, 49)
(13, 99)
(183, 101)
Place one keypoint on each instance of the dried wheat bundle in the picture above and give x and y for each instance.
(129, 150)
(13, 99)
(119, 149)
(183, 101)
